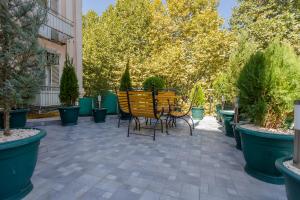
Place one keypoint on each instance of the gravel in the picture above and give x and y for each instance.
(268, 130)
(289, 164)
(18, 134)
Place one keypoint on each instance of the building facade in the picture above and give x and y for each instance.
(60, 35)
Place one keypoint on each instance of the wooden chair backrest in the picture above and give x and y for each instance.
(166, 99)
(142, 104)
(123, 101)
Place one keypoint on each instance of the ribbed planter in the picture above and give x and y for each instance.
(261, 150)
(69, 115)
(227, 116)
(99, 115)
(17, 162)
(17, 118)
(86, 105)
(198, 113)
(218, 109)
(291, 179)
(236, 133)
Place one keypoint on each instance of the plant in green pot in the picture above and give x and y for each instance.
(69, 93)
(268, 85)
(125, 85)
(198, 103)
(99, 113)
(290, 166)
(154, 82)
(22, 63)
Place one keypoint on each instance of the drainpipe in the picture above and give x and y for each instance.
(296, 159)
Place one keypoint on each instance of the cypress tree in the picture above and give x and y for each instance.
(125, 79)
(69, 89)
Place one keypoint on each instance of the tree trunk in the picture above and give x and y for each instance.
(6, 122)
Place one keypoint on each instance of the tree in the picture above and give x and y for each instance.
(266, 20)
(69, 89)
(22, 60)
(180, 41)
(125, 79)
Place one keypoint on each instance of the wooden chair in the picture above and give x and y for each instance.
(166, 100)
(123, 104)
(183, 111)
(143, 104)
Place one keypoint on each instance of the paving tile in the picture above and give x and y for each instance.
(97, 161)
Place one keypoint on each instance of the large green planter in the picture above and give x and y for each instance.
(86, 105)
(291, 179)
(227, 116)
(17, 163)
(17, 118)
(69, 115)
(99, 115)
(198, 113)
(261, 150)
(218, 109)
(236, 133)
(110, 102)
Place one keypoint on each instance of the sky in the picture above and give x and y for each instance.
(225, 8)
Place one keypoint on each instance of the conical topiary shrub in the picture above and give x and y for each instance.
(69, 93)
(69, 89)
(125, 79)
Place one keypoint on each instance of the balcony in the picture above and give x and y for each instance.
(57, 28)
(48, 97)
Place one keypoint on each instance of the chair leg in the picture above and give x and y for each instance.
(155, 129)
(162, 126)
(192, 121)
(119, 121)
(136, 124)
(191, 133)
(167, 131)
(130, 119)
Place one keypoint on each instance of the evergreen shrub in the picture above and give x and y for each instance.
(154, 81)
(268, 85)
(69, 89)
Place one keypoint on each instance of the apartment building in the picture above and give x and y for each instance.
(60, 35)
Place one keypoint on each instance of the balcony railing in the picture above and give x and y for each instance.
(48, 97)
(57, 28)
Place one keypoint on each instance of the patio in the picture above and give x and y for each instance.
(97, 161)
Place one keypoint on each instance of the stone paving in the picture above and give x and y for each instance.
(97, 161)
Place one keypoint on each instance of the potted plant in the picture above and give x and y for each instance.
(21, 73)
(69, 93)
(268, 84)
(154, 82)
(99, 113)
(198, 101)
(125, 85)
(290, 166)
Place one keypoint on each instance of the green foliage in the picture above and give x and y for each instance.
(69, 89)
(266, 20)
(268, 85)
(197, 95)
(125, 79)
(155, 82)
(179, 40)
(22, 60)
(225, 83)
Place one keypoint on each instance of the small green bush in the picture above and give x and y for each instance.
(154, 81)
(69, 89)
(198, 97)
(268, 85)
(125, 79)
